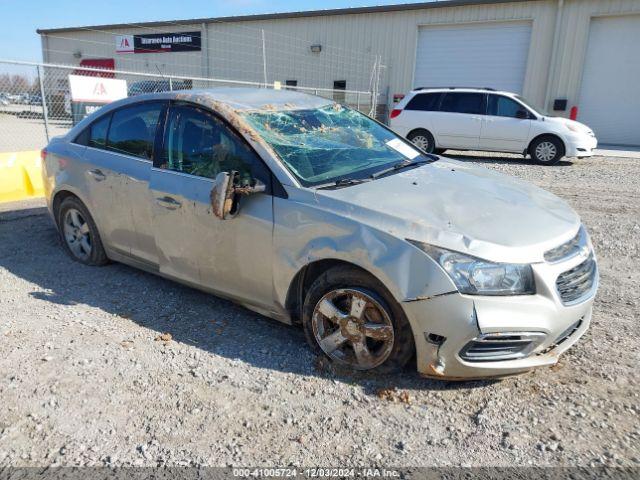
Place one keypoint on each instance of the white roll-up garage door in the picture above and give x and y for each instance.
(609, 100)
(473, 55)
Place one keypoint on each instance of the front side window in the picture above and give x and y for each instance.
(133, 129)
(503, 106)
(463, 102)
(426, 102)
(198, 143)
(330, 143)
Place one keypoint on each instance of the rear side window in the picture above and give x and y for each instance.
(503, 106)
(133, 129)
(463, 102)
(426, 102)
(98, 132)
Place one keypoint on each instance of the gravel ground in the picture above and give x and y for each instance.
(88, 378)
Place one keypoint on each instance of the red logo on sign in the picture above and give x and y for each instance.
(124, 43)
(99, 89)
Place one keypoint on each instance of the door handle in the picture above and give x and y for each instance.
(97, 175)
(168, 202)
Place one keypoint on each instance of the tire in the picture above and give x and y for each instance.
(546, 150)
(79, 233)
(376, 338)
(423, 140)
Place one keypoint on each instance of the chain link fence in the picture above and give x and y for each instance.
(35, 99)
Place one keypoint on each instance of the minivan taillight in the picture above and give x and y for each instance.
(395, 112)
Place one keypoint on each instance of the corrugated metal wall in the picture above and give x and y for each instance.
(351, 42)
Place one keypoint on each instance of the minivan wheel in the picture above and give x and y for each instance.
(423, 140)
(79, 233)
(546, 150)
(351, 318)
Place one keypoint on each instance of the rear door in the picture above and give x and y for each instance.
(231, 256)
(502, 130)
(99, 172)
(117, 167)
(458, 121)
(130, 144)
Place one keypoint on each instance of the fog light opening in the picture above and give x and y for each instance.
(434, 338)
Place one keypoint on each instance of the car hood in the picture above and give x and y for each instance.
(580, 127)
(461, 207)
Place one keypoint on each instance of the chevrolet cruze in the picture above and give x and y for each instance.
(309, 212)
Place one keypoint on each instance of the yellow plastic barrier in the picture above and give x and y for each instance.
(20, 176)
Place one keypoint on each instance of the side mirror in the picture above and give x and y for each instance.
(522, 114)
(227, 190)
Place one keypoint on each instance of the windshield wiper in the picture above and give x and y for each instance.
(342, 182)
(405, 164)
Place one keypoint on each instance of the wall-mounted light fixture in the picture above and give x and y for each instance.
(316, 48)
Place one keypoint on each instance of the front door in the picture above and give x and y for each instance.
(458, 122)
(502, 129)
(232, 256)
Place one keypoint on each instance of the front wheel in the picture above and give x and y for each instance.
(546, 151)
(351, 318)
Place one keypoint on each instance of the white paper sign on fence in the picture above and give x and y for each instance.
(96, 89)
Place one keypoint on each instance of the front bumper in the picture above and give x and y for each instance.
(445, 324)
(580, 145)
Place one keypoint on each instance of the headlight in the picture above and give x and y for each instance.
(475, 276)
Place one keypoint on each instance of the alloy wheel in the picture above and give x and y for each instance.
(353, 328)
(77, 234)
(422, 142)
(546, 151)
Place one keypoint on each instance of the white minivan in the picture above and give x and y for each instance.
(484, 119)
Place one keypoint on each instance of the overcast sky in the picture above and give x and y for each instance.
(21, 18)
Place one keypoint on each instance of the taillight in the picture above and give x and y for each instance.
(395, 112)
(43, 154)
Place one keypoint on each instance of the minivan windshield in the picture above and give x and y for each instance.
(331, 143)
(535, 110)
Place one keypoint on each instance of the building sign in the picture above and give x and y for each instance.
(159, 42)
(88, 94)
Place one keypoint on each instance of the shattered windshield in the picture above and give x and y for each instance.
(330, 143)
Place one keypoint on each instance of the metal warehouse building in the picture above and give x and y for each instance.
(584, 52)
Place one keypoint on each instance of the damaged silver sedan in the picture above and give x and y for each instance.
(309, 212)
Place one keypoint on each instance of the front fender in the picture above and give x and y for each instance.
(305, 233)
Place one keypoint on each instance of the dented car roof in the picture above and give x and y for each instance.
(240, 98)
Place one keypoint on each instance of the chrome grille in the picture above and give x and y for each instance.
(568, 249)
(573, 284)
(501, 346)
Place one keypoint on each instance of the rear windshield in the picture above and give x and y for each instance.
(330, 143)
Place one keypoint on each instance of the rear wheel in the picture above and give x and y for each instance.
(546, 150)
(351, 318)
(79, 233)
(423, 140)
